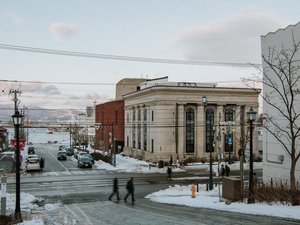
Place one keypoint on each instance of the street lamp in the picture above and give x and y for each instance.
(17, 119)
(204, 100)
(251, 115)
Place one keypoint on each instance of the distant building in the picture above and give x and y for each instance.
(276, 161)
(110, 126)
(165, 118)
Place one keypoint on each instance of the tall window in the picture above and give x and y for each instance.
(139, 114)
(152, 145)
(209, 129)
(190, 130)
(152, 115)
(228, 136)
(139, 136)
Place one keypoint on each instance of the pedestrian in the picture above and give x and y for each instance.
(222, 170)
(42, 163)
(177, 162)
(169, 171)
(255, 180)
(227, 170)
(171, 161)
(115, 189)
(130, 190)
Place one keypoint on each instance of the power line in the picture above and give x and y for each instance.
(124, 58)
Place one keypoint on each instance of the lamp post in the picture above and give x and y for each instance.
(17, 119)
(204, 100)
(251, 115)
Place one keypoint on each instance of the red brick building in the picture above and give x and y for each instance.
(110, 126)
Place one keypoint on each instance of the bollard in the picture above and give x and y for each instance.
(3, 195)
(198, 187)
(193, 191)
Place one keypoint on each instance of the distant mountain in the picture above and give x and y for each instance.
(37, 114)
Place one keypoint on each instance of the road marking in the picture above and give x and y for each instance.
(58, 161)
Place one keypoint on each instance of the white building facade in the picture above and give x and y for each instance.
(163, 119)
(276, 160)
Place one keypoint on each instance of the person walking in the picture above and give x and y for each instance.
(171, 161)
(130, 190)
(115, 189)
(169, 171)
(222, 170)
(227, 170)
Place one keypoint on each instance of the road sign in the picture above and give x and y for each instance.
(22, 142)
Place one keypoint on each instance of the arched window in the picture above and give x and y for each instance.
(190, 130)
(209, 129)
(228, 136)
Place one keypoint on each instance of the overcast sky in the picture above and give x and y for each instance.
(205, 30)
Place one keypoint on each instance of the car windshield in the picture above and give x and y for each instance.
(61, 153)
(85, 159)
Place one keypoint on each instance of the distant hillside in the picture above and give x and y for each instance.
(40, 114)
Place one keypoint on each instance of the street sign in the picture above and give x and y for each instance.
(22, 142)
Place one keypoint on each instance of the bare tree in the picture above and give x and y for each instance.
(281, 75)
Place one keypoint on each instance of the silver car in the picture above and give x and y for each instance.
(33, 164)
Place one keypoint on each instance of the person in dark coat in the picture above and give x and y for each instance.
(171, 161)
(222, 170)
(227, 170)
(169, 171)
(130, 190)
(115, 189)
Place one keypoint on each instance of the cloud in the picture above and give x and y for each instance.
(15, 18)
(235, 39)
(36, 88)
(61, 31)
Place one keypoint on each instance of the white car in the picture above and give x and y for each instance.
(32, 157)
(33, 164)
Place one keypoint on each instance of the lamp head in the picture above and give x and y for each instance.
(17, 118)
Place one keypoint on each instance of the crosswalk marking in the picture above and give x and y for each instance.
(69, 172)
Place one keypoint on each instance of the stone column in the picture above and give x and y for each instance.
(181, 132)
(200, 131)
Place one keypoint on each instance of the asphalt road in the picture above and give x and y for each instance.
(83, 196)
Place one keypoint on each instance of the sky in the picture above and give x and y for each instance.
(202, 30)
(175, 194)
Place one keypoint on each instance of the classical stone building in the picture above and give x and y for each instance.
(167, 118)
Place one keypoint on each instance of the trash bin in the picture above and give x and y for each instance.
(160, 164)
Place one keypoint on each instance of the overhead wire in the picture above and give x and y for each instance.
(123, 57)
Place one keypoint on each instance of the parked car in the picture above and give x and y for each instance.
(85, 162)
(62, 155)
(70, 151)
(33, 164)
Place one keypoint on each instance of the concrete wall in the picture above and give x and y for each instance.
(276, 161)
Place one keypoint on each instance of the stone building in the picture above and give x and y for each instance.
(168, 118)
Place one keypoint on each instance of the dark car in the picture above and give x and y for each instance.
(70, 151)
(30, 150)
(62, 155)
(85, 162)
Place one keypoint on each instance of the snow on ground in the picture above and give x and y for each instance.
(173, 195)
